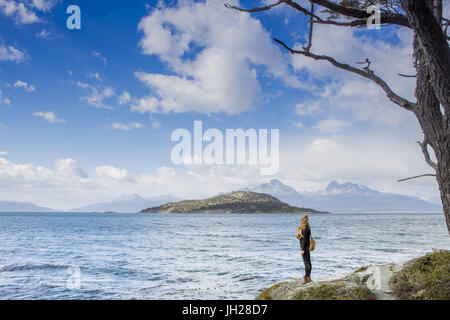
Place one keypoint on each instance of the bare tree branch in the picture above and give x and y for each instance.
(423, 145)
(407, 76)
(366, 73)
(360, 14)
(257, 9)
(422, 175)
(311, 25)
(386, 17)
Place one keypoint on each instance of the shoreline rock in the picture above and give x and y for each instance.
(371, 282)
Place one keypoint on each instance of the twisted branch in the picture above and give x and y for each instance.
(423, 145)
(366, 73)
(360, 15)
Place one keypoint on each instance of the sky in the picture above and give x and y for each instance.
(87, 115)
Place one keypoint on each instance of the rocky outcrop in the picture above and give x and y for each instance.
(367, 283)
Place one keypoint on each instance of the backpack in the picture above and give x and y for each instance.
(312, 244)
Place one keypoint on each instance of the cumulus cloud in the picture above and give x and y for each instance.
(307, 163)
(44, 5)
(224, 48)
(48, 116)
(21, 12)
(9, 53)
(124, 97)
(25, 12)
(24, 85)
(347, 92)
(110, 172)
(96, 94)
(70, 168)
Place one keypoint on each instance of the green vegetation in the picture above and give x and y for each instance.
(233, 202)
(362, 269)
(335, 291)
(425, 278)
(265, 295)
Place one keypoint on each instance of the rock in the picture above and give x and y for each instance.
(376, 278)
(370, 282)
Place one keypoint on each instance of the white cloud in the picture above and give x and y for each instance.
(94, 75)
(126, 127)
(156, 124)
(110, 172)
(24, 12)
(307, 108)
(4, 153)
(48, 116)
(70, 168)
(24, 85)
(331, 125)
(124, 97)
(376, 159)
(9, 53)
(4, 100)
(44, 34)
(220, 76)
(351, 93)
(96, 94)
(307, 163)
(100, 56)
(44, 5)
(19, 11)
(297, 124)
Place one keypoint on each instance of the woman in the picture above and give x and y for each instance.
(304, 236)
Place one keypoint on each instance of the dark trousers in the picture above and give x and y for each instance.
(307, 262)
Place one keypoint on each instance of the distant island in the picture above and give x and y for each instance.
(233, 202)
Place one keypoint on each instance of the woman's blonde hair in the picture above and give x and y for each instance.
(303, 224)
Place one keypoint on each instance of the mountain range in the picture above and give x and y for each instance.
(346, 197)
(336, 197)
(127, 203)
(16, 206)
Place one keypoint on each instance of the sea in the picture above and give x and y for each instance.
(195, 256)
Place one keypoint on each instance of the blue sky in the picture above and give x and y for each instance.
(86, 115)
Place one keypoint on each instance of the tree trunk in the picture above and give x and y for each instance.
(430, 87)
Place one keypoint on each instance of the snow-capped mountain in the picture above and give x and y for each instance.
(127, 203)
(347, 187)
(346, 197)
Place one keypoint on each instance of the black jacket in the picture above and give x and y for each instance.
(304, 242)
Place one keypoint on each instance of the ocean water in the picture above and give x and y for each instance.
(200, 256)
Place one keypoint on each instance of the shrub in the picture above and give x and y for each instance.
(335, 291)
(425, 278)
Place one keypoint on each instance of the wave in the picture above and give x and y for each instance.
(29, 266)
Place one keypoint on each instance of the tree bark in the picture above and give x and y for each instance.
(434, 43)
(430, 85)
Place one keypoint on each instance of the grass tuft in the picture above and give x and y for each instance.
(425, 278)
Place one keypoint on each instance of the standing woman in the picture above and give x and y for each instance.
(304, 236)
